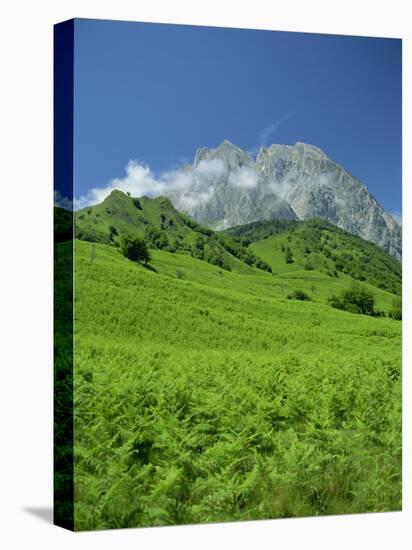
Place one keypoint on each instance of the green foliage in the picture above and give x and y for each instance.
(136, 202)
(134, 248)
(210, 398)
(260, 264)
(257, 231)
(331, 250)
(396, 311)
(288, 255)
(164, 228)
(113, 233)
(356, 299)
(238, 248)
(195, 226)
(157, 238)
(298, 295)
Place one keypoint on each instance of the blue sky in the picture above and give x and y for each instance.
(155, 93)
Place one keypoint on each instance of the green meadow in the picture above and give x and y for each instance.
(204, 394)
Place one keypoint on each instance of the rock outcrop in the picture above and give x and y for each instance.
(227, 187)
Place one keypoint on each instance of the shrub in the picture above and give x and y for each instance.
(112, 232)
(379, 313)
(162, 241)
(288, 256)
(157, 239)
(134, 248)
(396, 311)
(309, 266)
(356, 299)
(137, 204)
(260, 264)
(299, 295)
(249, 259)
(199, 243)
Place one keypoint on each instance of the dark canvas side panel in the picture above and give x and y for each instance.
(63, 275)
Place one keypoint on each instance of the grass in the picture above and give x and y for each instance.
(318, 245)
(205, 395)
(160, 224)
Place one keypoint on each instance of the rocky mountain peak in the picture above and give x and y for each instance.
(284, 182)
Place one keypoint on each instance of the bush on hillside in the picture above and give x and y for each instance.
(355, 299)
(137, 204)
(112, 232)
(299, 295)
(260, 264)
(288, 256)
(156, 238)
(396, 311)
(135, 248)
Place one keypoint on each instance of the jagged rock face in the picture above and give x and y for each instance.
(227, 188)
(315, 186)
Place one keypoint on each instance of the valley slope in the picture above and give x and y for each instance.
(204, 394)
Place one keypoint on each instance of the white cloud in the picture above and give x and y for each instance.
(265, 134)
(210, 169)
(62, 202)
(281, 187)
(140, 180)
(326, 178)
(190, 200)
(397, 216)
(244, 177)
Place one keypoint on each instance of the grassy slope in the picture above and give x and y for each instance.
(325, 248)
(382, 273)
(203, 395)
(317, 284)
(118, 211)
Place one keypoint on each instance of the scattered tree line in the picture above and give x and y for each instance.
(256, 231)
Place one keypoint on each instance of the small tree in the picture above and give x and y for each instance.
(137, 204)
(162, 241)
(112, 232)
(299, 295)
(260, 264)
(356, 299)
(135, 248)
(288, 256)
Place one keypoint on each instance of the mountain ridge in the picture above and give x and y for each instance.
(315, 247)
(229, 188)
(163, 228)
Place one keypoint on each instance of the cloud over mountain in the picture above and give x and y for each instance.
(225, 187)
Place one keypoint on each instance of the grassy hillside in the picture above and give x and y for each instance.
(163, 227)
(291, 247)
(206, 395)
